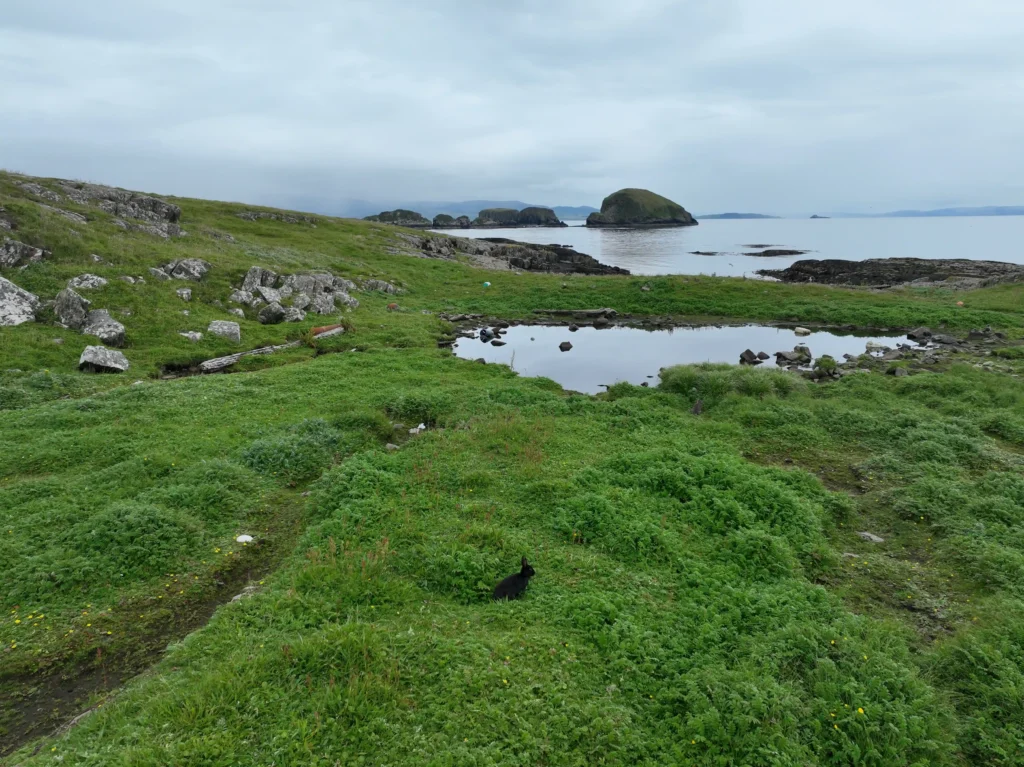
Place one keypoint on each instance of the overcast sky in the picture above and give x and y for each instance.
(777, 106)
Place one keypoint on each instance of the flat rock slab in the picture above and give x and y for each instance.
(99, 323)
(226, 329)
(86, 282)
(17, 305)
(871, 537)
(220, 363)
(98, 359)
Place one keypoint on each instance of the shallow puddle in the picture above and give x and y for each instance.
(599, 358)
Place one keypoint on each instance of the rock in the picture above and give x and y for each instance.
(380, 285)
(192, 336)
(17, 305)
(270, 295)
(163, 230)
(271, 314)
(773, 252)
(564, 346)
(602, 322)
(945, 340)
(160, 274)
(193, 269)
(99, 323)
(301, 301)
(98, 359)
(497, 342)
(7, 223)
(225, 329)
(801, 331)
(287, 218)
(39, 191)
(58, 341)
(874, 346)
(573, 328)
(747, 357)
(888, 272)
(237, 312)
(241, 297)
(86, 282)
(645, 288)
(762, 356)
(781, 357)
(900, 372)
(919, 334)
(870, 537)
(14, 253)
(258, 276)
(391, 446)
(71, 309)
(639, 208)
(185, 294)
(291, 314)
(323, 303)
(126, 278)
(120, 202)
(401, 217)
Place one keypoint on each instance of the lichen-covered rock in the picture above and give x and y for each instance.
(381, 285)
(225, 329)
(71, 309)
(7, 223)
(291, 314)
(237, 312)
(162, 229)
(346, 300)
(99, 323)
(185, 294)
(74, 218)
(340, 283)
(86, 282)
(270, 295)
(192, 336)
(123, 203)
(17, 305)
(160, 274)
(287, 218)
(241, 297)
(193, 269)
(639, 208)
(39, 191)
(323, 303)
(14, 253)
(257, 276)
(99, 359)
(271, 314)
(301, 301)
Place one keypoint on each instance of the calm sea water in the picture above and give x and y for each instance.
(668, 251)
(603, 357)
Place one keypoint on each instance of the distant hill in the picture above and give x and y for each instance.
(471, 208)
(989, 210)
(731, 216)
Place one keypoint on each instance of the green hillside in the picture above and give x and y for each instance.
(702, 594)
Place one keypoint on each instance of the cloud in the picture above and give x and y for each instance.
(734, 104)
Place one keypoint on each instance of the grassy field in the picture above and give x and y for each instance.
(702, 596)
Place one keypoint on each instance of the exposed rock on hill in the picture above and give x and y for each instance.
(17, 305)
(287, 218)
(14, 253)
(98, 359)
(193, 269)
(888, 272)
(37, 190)
(71, 309)
(401, 217)
(86, 282)
(149, 214)
(318, 292)
(7, 223)
(639, 208)
(100, 324)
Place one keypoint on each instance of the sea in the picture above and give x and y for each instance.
(671, 251)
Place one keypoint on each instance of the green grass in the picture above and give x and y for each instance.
(702, 596)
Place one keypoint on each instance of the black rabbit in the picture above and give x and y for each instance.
(514, 586)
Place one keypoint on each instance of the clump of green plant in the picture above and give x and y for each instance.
(712, 382)
(301, 453)
(1010, 352)
(826, 364)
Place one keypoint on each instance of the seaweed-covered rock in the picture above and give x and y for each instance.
(639, 208)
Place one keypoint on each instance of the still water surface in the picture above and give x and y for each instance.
(616, 354)
(668, 251)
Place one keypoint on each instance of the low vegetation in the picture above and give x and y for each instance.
(702, 594)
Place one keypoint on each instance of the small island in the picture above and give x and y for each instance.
(501, 218)
(817, 216)
(401, 217)
(639, 208)
(444, 221)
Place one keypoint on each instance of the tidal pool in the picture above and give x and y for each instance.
(599, 358)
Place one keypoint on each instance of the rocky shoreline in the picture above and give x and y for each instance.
(959, 274)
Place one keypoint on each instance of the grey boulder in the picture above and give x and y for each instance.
(256, 277)
(237, 312)
(86, 282)
(271, 314)
(226, 329)
(192, 336)
(241, 297)
(100, 324)
(294, 315)
(381, 285)
(17, 305)
(185, 294)
(193, 269)
(98, 359)
(14, 253)
(160, 274)
(71, 309)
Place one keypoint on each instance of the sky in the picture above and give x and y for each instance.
(772, 106)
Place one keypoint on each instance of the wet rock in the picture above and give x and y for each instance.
(945, 340)
(86, 282)
(193, 269)
(192, 336)
(602, 322)
(99, 323)
(573, 328)
(271, 314)
(225, 329)
(98, 359)
(185, 294)
(801, 331)
(871, 537)
(919, 334)
(773, 252)
(747, 357)
(17, 305)
(71, 309)
(564, 346)
(14, 253)
(497, 342)
(159, 274)
(874, 346)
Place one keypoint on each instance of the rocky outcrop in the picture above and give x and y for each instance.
(74, 218)
(444, 221)
(286, 218)
(257, 276)
(538, 217)
(17, 305)
(630, 208)
(71, 309)
(496, 217)
(382, 286)
(37, 190)
(148, 214)
(193, 269)
(226, 329)
(889, 272)
(7, 224)
(510, 218)
(319, 292)
(163, 230)
(98, 359)
(86, 282)
(99, 323)
(185, 294)
(14, 253)
(401, 217)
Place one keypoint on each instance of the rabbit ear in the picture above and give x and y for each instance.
(525, 564)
